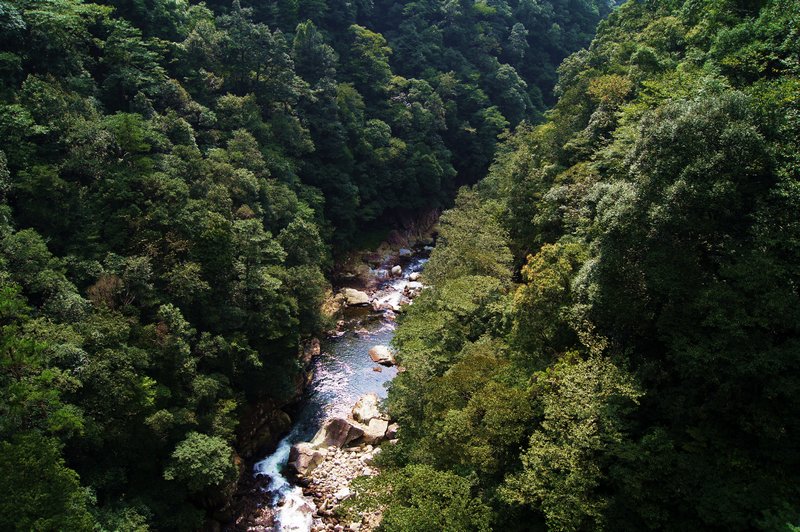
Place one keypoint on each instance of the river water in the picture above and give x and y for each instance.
(341, 374)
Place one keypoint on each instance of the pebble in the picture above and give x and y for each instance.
(329, 485)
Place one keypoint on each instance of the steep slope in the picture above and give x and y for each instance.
(612, 338)
(175, 178)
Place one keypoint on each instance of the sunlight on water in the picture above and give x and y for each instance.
(342, 374)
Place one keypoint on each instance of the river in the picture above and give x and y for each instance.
(342, 373)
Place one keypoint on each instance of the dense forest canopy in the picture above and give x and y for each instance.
(612, 336)
(175, 177)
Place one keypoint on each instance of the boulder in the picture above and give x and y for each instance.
(336, 432)
(304, 458)
(366, 408)
(396, 239)
(405, 252)
(414, 276)
(369, 458)
(355, 298)
(381, 354)
(311, 350)
(397, 271)
(412, 289)
(375, 431)
(343, 494)
(391, 431)
(262, 425)
(373, 259)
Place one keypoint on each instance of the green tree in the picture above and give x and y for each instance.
(585, 405)
(471, 243)
(41, 493)
(201, 462)
(422, 498)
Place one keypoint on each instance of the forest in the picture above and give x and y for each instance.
(177, 179)
(611, 340)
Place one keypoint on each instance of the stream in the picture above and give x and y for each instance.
(342, 373)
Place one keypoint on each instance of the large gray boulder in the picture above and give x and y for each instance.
(304, 458)
(380, 354)
(336, 432)
(375, 431)
(366, 408)
(355, 298)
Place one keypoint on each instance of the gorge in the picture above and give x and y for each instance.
(609, 332)
(342, 374)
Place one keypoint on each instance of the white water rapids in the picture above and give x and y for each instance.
(342, 374)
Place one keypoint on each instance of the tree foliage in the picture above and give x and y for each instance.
(175, 180)
(641, 352)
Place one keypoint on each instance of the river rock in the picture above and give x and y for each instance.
(355, 298)
(369, 458)
(311, 350)
(381, 354)
(414, 276)
(366, 408)
(304, 458)
(336, 432)
(373, 259)
(262, 425)
(397, 271)
(375, 431)
(391, 431)
(343, 494)
(413, 289)
(405, 252)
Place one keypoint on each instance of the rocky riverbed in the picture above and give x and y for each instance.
(343, 450)
(338, 426)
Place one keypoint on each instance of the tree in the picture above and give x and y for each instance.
(201, 462)
(422, 498)
(134, 66)
(471, 243)
(541, 305)
(41, 493)
(585, 405)
(368, 61)
(313, 58)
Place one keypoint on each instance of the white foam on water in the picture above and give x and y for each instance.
(294, 511)
(297, 512)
